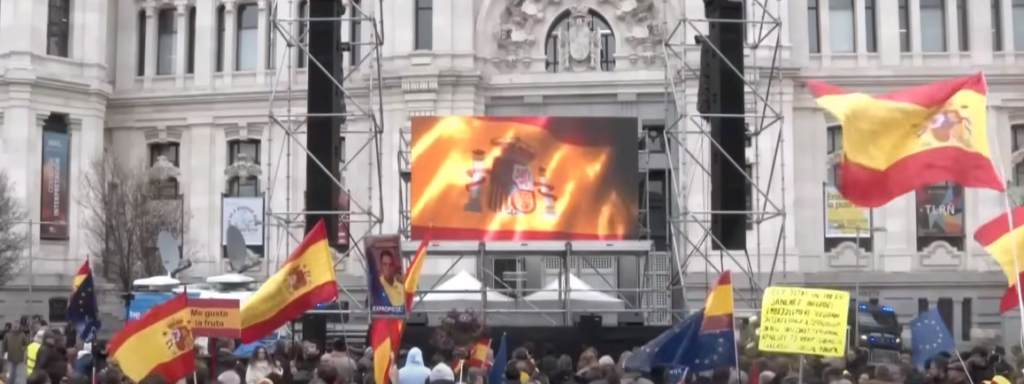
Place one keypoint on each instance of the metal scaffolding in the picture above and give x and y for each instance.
(361, 88)
(689, 144)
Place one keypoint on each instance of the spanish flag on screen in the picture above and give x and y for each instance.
(719, 308)
(386, 333)
(160, 343)
(895, 143)
(1000, 237)
(305, 280)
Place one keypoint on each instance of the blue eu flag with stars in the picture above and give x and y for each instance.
(929, 337)
(83, 310)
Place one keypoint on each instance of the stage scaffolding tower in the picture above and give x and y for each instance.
(361, 87)
(689, 145)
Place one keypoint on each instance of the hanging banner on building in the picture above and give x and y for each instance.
(524, 178)
(843, 218)
(56, 180)
(246, 214)
(940, 210)
(386, 277)
(343, 221)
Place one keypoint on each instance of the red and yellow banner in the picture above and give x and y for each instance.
(895, 143)
(524, 178)
(160, 343)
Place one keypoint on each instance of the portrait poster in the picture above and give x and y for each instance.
(343, 236)
(56, 172)
(386, 276)
(246, 214)
(524, 178)
(842, 218)
(940, 210)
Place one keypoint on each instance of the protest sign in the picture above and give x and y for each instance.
(804, 321)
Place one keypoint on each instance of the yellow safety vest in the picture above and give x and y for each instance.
(30, 357)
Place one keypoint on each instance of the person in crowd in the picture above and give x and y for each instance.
(549, 362)
(563, 372)
(283, 360)
(260, 365)
(275, 378)
(341, 360)
(52, 358)
(229, 375)
(326, 374)
(306, 362)
(414, 371)
(32, 351)
(474, 376)
(441, 374)
(15, 344)
(512, 374)
(39, 377)
(956, 373)
(587, 361)
(606, 360)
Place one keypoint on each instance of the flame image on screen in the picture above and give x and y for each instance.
(447, 158)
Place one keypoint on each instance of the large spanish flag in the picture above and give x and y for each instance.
(160, 343)
(386, 333)
(1003, 238)
(305, 280)
(720, 306)
(895, 143)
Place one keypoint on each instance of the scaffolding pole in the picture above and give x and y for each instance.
(361, 87)
(689, 145)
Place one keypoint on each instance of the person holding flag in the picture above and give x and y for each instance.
(386, 333)
(83, 310)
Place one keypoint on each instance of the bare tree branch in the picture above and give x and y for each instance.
(14, 234)
(124, 211)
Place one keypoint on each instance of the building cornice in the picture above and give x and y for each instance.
(897, 77)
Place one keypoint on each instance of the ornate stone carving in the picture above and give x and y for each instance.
(163, 169)
(514, 34)
(642, 29)
(940, 255)
(848, 255)
(580, 45)
(243, 168)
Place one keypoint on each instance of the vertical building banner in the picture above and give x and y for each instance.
(343, 221)
(386, 276)
(524, 178)
(842, 218)
(940, 210)
(56, 180)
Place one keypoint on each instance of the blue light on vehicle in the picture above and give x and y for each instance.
(863, 307)
(887, 309)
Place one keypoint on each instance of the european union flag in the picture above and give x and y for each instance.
(715, 343)
(929, 337)
(660, 350)
(497, 372)
(83, 311)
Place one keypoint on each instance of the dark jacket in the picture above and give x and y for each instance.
(15, 343)
(53, 362)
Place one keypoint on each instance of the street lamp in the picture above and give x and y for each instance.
(856, 282)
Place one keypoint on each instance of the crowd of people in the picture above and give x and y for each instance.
(37, 354)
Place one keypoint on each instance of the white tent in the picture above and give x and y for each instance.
(463, 291)
(583, 299)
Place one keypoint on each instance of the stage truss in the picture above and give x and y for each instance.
(689, 145)
(362, 92)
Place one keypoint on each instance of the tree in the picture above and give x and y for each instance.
(125, 209)
(14, 233)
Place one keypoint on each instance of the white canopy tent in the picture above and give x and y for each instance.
(583, 299)
(462, 292)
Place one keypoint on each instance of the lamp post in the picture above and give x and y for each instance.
(856, 282)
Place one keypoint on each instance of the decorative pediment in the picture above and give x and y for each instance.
(163, 134)
(163, 169)
(243, 167)
(848, 255)
(940, 255)
(642, 28)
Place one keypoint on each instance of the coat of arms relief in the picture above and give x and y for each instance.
(579, 46)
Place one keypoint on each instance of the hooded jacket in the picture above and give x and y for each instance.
(441, 374)
(414, 372)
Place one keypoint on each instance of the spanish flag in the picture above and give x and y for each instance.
(895, 143)
(160, 343)
(478, 354)
(305, 280)
(719, 308)
(83, 309)
(1004, 240)
(385, 333)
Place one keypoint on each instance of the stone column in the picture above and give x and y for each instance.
(914, 8)
(151, 42)
(262, 41)
(230, 38)
(206, 48)
(887, 17)
(180, 42)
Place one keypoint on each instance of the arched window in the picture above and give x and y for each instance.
(562, 59)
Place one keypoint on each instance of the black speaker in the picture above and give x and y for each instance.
(725, 95)
(589, 322)
(314, 329)
(323, 131)
(631, 319)
(417, 319)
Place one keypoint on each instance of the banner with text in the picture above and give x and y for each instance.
(56, 180)
(524, 178)
(386, 276)
(220, 318)
(940, 210)
(842, 218)
(804, 321)
(246, 214)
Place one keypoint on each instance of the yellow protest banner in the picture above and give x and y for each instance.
(842, 218)
(804, 321)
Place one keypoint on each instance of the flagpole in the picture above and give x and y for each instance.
(964, 364)
(735, 346)
(1009, 220)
